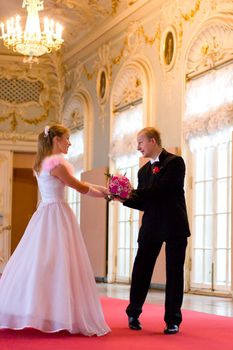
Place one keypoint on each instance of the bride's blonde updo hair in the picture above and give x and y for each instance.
(45, 142)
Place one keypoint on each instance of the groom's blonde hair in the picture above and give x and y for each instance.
(152, 133)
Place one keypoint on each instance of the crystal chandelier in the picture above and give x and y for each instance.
(32, 42)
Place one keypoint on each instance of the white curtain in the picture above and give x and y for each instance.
(75, 154)
(209, 103)
(126, 124)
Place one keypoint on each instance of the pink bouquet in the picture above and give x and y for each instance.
(119, 187)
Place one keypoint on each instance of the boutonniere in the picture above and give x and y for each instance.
(156, 170)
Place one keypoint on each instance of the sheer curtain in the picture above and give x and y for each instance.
(75, 157)
(126, 124)
(124, 154)
(209, 103)
(208, 127)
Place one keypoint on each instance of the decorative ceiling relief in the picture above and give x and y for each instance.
(211, 47)
(83, 16)
(24, 99)
(31, 98)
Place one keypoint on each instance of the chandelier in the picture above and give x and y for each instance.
(32, 42)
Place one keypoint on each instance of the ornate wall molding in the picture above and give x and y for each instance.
(57, 78)
(14, 137)
(73, 114)
(211, 46)
(23, 112)
(128, 87)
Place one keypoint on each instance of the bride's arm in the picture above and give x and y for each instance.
(61, 172)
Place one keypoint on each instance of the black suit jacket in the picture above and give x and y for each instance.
(161, 196)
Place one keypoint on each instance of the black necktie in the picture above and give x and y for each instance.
(156, 163)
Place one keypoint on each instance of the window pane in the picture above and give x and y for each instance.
(199, 165)
(198, 232)
(221, 267)
(209, 159)
(122, 212)
(199, 199)
(222, 160)
(208, 266)
(198, 266)
(208, 198)
(222, 196)
(127, 263)
(208, 231)
(121, 235)
(121, 262)
(127, 235)
(222, 231)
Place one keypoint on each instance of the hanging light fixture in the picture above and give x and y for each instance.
(32, 42)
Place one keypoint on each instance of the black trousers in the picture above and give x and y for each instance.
(142, 272)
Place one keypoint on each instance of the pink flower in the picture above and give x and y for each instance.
(119, 186)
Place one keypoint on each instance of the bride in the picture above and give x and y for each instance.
(48, 283)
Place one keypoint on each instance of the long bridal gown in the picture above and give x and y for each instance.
(48, 283)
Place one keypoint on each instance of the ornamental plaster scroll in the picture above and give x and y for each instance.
(20, 72)
(104, 69)
(57, 78)
(211, 47)
(73, 77)
(73, 114)
(14, 137)
(128, 87)
(25, 116)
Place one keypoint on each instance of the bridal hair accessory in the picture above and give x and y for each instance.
(46, 131)
(119, 187)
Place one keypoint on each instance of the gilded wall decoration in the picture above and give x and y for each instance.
(57, 79)
(212, 46)
(14, 137)
(75, 108)
(134, 39)
(103, 79)
(191, 11)
(73, 116)
(29, 97)
(24, 98)
(168, 48)
(102, 85)
(128, 88)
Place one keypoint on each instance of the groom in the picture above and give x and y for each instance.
(160, 195)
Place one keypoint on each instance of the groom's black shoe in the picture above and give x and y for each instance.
(134, 323)
(171, 329)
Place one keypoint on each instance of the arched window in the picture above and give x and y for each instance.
(208, 127)
(129, 107)
(74, 120)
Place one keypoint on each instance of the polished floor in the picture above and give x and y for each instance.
(222, 306)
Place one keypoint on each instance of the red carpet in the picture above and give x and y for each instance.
(198, 331)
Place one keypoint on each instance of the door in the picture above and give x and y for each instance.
(5, 206)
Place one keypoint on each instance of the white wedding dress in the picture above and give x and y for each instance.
(48, 283)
